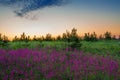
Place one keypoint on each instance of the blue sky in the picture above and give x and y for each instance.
(39, 17)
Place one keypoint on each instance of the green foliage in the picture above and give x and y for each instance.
(0, 37)
(64, 37)
(59, 38)
(102, 47)
(104, 44)
(48, 37)
(73, 39)
(101, 37)
(15, 39)
(90, 37)
(99, 76)
(4, 41)
(23, 37)
(107, 35)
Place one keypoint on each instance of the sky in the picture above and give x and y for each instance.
(39, 17)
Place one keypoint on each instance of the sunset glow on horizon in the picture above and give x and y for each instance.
(55, 18)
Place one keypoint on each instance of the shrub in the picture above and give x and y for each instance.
(90, 37)
(72, 39)
(107, 35)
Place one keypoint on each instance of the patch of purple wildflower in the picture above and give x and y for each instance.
(50, 64)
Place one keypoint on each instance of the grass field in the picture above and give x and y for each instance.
(104, 47)
(53, 60)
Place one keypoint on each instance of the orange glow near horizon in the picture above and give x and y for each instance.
(114, 31)
(56, 20)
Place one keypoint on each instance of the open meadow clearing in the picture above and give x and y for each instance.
(102, 47)
(53, 60)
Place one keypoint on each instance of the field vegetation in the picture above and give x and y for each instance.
(66, 57)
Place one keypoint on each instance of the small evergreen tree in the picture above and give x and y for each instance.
(48, 37)
(23, 37)
(27, 39)
(0, 37)
(101, 37)
(5, 41)
(42, 38)
(68, 36)
(73, 39)
(107, 35)
(93, 37)
(15, 39)
(64, 37)
(87, 37)
(34, 38)
(90, 37)
(58, 38)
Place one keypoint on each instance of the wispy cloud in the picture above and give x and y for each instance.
(26, 6)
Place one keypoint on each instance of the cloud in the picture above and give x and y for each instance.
(24, 7)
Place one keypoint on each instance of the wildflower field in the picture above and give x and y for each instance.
(49, 63)
(57, 60)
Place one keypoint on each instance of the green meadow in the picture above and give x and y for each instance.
(66, 57)
(101, 47)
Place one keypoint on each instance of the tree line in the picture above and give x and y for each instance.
(67, 36)
(71, 38)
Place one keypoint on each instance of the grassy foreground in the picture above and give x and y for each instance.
(102, 47)
(53, 60)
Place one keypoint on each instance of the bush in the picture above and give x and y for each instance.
(107, 35)
(90, 37)
(73, 39)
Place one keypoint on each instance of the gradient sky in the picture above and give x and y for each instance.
(57, 17)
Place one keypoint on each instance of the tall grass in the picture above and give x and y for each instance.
(102, 47)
